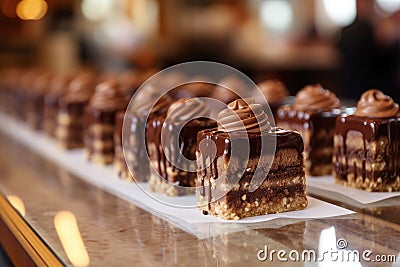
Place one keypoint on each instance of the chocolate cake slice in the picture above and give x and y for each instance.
(367, 145)
(171, 144)
(35, 100)
(225, 173)
(136, 123)
(69, 129)
(313, 115)
(57, 88)
(109, 97)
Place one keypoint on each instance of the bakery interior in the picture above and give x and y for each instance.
(51, 215)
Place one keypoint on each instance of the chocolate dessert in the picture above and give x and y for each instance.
(109, 97)
(197, 86)
(367, 145)
(136, 124)
(57, 88)
(69, 129)
(229, 89)
(274, 92)
(171, 144)
(35, 99)
(20, 96)
(313, 115)
(232, 155)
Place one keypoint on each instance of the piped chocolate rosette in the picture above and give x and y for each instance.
(274, 91)
(315, 97)
(149, 99)
(375, 104)
(185, 109)
(243, 115)
(80, 89)
(109, 95)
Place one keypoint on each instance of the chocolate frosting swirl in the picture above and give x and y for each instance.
(274, 91)
(229, 88)
(243, 115)
(81, 88)
(109, 95)
(375, 104)
(315, 97)
(186, 109)
(149, 98)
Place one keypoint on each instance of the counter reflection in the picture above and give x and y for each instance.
(70, 237)
(17, 203)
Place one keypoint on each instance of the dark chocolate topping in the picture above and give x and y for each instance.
(284, 139)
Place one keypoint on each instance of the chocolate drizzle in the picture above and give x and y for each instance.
(179, 143)
(314, 122)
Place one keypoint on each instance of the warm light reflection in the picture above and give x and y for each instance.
(341, 12)
(96, 9)
(8, 8)
(389, 6)
(276, 15)
(328, 253)
(31, 9)
(17, 203)
(70, 237)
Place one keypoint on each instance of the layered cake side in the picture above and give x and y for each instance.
(57, 88)
(171, 144)
(69, 128)
(224, 177)
(99, 116)
(367, 145)
(313, 115)
(35, 99)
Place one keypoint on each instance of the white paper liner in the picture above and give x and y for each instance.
(326, 187)
(190, 220)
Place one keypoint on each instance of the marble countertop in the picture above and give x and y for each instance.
(83, 225)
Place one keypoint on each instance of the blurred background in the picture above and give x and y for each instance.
(347, 45)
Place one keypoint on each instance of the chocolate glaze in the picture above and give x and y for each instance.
(313, 121)
(134, 130)
(371, 129)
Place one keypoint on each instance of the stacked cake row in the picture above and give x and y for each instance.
(236, 161)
